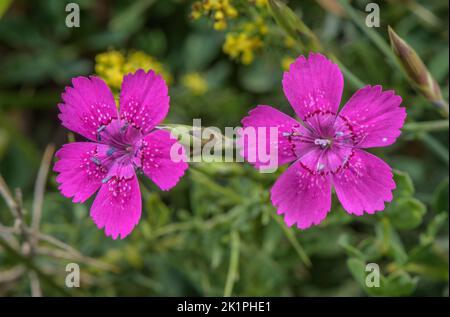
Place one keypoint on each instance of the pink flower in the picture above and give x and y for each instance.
(122, 143)
(327, 145)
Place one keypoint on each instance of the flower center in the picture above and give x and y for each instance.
(323, 143)
(120, 146)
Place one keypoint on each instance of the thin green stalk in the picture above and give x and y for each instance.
(233, 269)
(435, 146)
(379, 42)
(293, 240)
(426, 126)
(213, 186)
(197, 224)
(294, 27)
(427, 85)
(352, 78)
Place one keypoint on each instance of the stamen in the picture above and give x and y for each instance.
(294, 133)
(124, 128)
(110, 151)
(95, 160)
(99, 130)
(323, 143)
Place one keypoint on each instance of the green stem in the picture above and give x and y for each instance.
(426, 126)
(383, 46)
(435, 146)
(203, 179)
(291, 24)
(377, 40)
(197, 224)
(352, 78)
(234, 264)
(293, 240)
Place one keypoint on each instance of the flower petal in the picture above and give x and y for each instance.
(87, 106)
(303, 197)
(256, 134)
(163, 159)
(117, 207)
(313, 84)
(80, 175)
(374, 116)
(144, 100)
(364, 183)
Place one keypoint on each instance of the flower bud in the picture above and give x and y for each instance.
(417, 72)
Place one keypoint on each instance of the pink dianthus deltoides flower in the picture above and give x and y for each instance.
(123, 143)
(326, 145)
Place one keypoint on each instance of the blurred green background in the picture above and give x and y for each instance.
(216, 232)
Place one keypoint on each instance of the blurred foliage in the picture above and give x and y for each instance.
(216, 233)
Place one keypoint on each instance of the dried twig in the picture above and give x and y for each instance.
(35, 285)
(39, 190)
(55, 253)
(9, 199)
(25, 248)
(31, 266)
(12, 274)
(65, 252)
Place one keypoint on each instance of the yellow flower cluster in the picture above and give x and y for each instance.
(241, 46)
(220, 10)
(256, 27)
(108, 65)
(195, 83)
(113, 65)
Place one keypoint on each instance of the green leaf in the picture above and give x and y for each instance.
(429, 261)
(433, 228)
(407, 213)
(357, 268)
(398, 283)
(351, 250)
(405, 186)
(390, 242)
